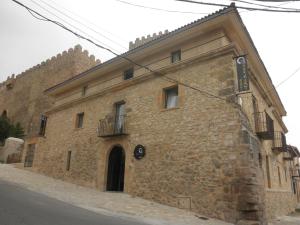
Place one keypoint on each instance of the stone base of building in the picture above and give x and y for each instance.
(279, 203)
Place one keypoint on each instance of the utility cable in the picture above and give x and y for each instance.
(159, 9)
(276, 1)
(286, 79)
(267, 6)
(71, 25)
(240, 7)
(79, 22)
(88, 21)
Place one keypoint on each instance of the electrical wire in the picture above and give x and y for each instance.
(286, 79)
(71, 25)
(89, 22)
(276, 1)
(159, 74)
(79, 22)
(159, 9)
(268, 6)
(239, 7)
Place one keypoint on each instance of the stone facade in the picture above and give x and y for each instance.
(22, 97)
(202, 154)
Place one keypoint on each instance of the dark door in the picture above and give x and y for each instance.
(29, 155)
(116, 167)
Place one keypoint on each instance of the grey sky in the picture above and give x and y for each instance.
(26, 41)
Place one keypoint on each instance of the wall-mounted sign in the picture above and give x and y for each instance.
(242, 73)
(139, 151)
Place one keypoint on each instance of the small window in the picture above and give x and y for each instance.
(9, 86)
(128, 74)
(171, 97)
(84, 89)
(43, 125)
(4, 114)
(176, 56)
(79, 120)
(279, 176)
(69, 160)
(285, 174)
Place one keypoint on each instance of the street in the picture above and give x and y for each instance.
(19, 206)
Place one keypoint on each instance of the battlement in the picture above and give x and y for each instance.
(143, 40)
(54, 59)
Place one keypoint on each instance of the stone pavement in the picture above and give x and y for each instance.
(293, 219)
(114, 204)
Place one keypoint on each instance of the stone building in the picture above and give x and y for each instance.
(188, 121)
(22, 97)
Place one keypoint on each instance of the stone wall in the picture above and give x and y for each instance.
(12, 146)
(277, 189)
(22, 96)
(194, 152)
(275, 200)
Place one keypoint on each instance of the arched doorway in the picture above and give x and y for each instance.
(4, 114)
(116, 169)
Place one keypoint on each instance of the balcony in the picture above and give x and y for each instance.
(264, 126)
(112, 126)
(279, 142)
(291, 153)
(287, 156)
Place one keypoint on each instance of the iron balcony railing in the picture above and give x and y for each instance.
(264, 126)
(279, 142)
(112, 126)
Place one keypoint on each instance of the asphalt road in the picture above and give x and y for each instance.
(19, 206)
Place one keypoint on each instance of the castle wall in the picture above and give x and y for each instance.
(22, 96)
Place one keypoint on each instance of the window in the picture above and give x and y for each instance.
(84, 89)
(176, 56)
(9, 86)
(268, 171)
(79, 120)
(4, 114)
(43, 125)
(255, 112)
(29, 155)
(285, 174)
(128, 74)
(120, 117)
(279, 176)
(260, 160)
(171, 97)
(69, 160)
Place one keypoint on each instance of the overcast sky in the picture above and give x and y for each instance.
(26, 41)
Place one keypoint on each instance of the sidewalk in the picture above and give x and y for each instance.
(114, 204)
(293, 219)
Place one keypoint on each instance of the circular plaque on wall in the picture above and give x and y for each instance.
(139, 151)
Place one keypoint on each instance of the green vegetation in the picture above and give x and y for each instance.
(8, 129)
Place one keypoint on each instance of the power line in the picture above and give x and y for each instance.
(286, 79)
(268, 6)
(159, 9)
(89, 22)
(82, 24)
(46, 19)
(159, 74)
(239, 7)
(276, 0)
